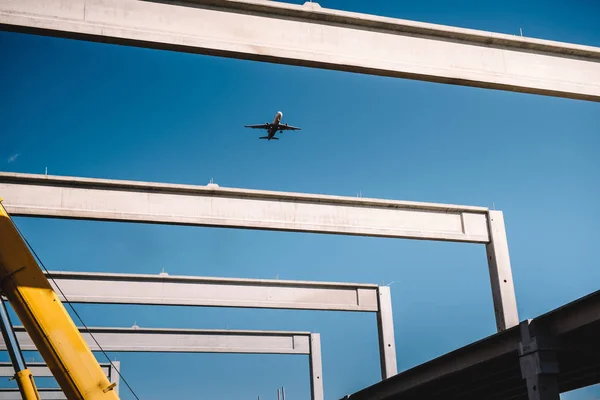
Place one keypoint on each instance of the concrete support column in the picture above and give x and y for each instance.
(503, 289)
(385, 327)
(316, 368)
(539, 365)
(114, 375)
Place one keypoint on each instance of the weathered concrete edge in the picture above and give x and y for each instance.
(311, 11)
(127, 185)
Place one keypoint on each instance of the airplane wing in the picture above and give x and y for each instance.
(261, 126)
(286, 127)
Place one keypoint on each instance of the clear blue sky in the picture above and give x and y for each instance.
(106, 111)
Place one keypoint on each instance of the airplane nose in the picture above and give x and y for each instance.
(280, 114)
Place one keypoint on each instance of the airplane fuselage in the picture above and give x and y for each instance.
(274, 125)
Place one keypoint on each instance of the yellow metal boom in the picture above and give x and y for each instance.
(46, 320)
(27, 385)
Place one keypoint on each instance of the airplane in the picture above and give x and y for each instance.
(273, 127)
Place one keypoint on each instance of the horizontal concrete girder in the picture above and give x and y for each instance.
(45, 394)
(312, 36)
(201, 341)
(162, 289)
(113, 200)
(185, 341)
(41, 370)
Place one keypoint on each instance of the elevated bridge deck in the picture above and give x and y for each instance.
(564, 345)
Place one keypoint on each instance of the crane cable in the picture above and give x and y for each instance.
(76, 313)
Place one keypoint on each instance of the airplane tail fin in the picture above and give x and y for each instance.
(266, 137)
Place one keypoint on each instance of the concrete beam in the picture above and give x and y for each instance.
(185, 341)
(41, 370)
(312, 36)
(201, 341)
(162, 289)
(111, 200)
(316, 367)
(503, 289)
(573, 316)
(572, 330)
(387, 339)
(45, 394)
(103, 288)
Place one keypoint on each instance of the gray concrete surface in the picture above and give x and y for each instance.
(112, 200)
(318, 37)
(201, 341)
(41, 370)
(45, 394)
(147, 202)
(161, 289)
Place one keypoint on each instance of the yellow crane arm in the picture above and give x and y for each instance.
(46, 320)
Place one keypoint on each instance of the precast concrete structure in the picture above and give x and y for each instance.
(312, 36)
(41, 370)
(147, 202)
(45, 394)
(554, 353)
(309, 35)
(164, 289)
(151, 340)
